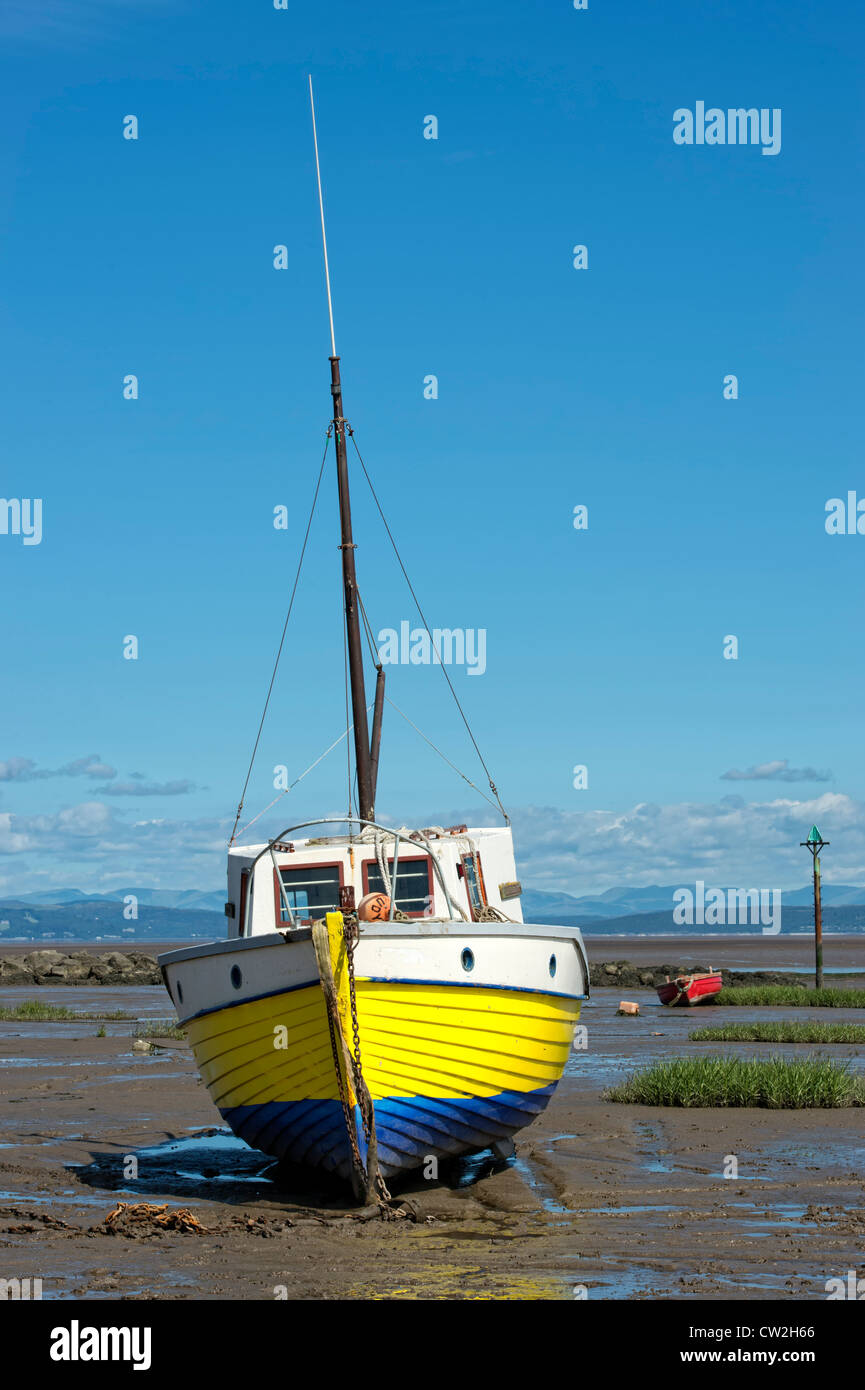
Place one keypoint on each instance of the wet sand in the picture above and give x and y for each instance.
(624, 1202)
(753, 952)
(734, 952)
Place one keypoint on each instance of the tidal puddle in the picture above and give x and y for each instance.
(468, 1169)
(621, 1284)
(469, 1282)
(187, 1166)
(542, 1189)
(68, 1194)
(50, 1061)
(821, 1154)
(208, 1156)
(162, 1285)
(754, 1215)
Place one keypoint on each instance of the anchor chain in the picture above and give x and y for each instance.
(359, 1183)
(367, 1179)
(351, 933)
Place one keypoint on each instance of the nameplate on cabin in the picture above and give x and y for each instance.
(509, 890)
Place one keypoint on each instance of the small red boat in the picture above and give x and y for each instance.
(691, 989)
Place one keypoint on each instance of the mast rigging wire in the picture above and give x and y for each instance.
(281, 640)
(293, 784)
(442, 755)
(492, 784)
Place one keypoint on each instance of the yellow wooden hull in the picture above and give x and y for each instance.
(451, 1068)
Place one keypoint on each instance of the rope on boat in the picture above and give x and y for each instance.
(380, 845)
(334, 941)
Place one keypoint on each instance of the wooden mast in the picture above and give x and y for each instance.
(363, 762)
(365, 791)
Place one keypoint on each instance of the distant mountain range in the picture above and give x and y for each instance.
(166, 914)
(162, 915)
(191, 898)
(626, 902)
(793, 919)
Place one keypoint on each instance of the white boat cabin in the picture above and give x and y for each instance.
(295, 882)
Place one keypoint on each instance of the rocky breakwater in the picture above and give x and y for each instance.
(55, 968)
(622, 974)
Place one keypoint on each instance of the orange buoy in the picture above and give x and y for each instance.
(375, 907)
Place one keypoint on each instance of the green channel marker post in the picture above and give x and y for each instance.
(814, 844)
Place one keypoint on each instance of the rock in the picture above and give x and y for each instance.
(13, 972)
(40, 962)
(611, 970)
(70, 970)
(118, 961)
(47, 967)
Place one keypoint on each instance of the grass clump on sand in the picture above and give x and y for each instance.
(756, 996)
(790, 1031)
(774, 1083)
(162, 1029)
(34, 1011)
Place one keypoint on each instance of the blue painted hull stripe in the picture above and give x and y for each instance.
(409, 1129)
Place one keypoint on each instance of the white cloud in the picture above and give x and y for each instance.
(580, 852)
(136, 788)
(25, 769)
(779, 771)
(86, 845)
(730, 840)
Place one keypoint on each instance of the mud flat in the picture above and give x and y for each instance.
(752, 952)
(623, 1202)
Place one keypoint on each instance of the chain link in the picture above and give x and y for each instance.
(356, 1159)
(351, 932)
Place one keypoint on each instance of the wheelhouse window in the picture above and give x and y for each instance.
(473, 875)
(311, 891)
(413, 887)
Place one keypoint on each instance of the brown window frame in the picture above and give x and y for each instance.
(479, 871)
(315, 864)
(403, 859)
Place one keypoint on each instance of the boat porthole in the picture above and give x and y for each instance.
(179, 992)
(468, 959)
(552, 965)
(236, 977)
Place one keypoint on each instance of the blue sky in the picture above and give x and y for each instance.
(557, 387)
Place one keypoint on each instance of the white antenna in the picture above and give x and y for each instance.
(321, 206)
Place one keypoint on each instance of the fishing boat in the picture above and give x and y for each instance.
(698, 988)
(378, 1004)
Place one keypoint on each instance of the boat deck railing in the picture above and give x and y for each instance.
(399, 836)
